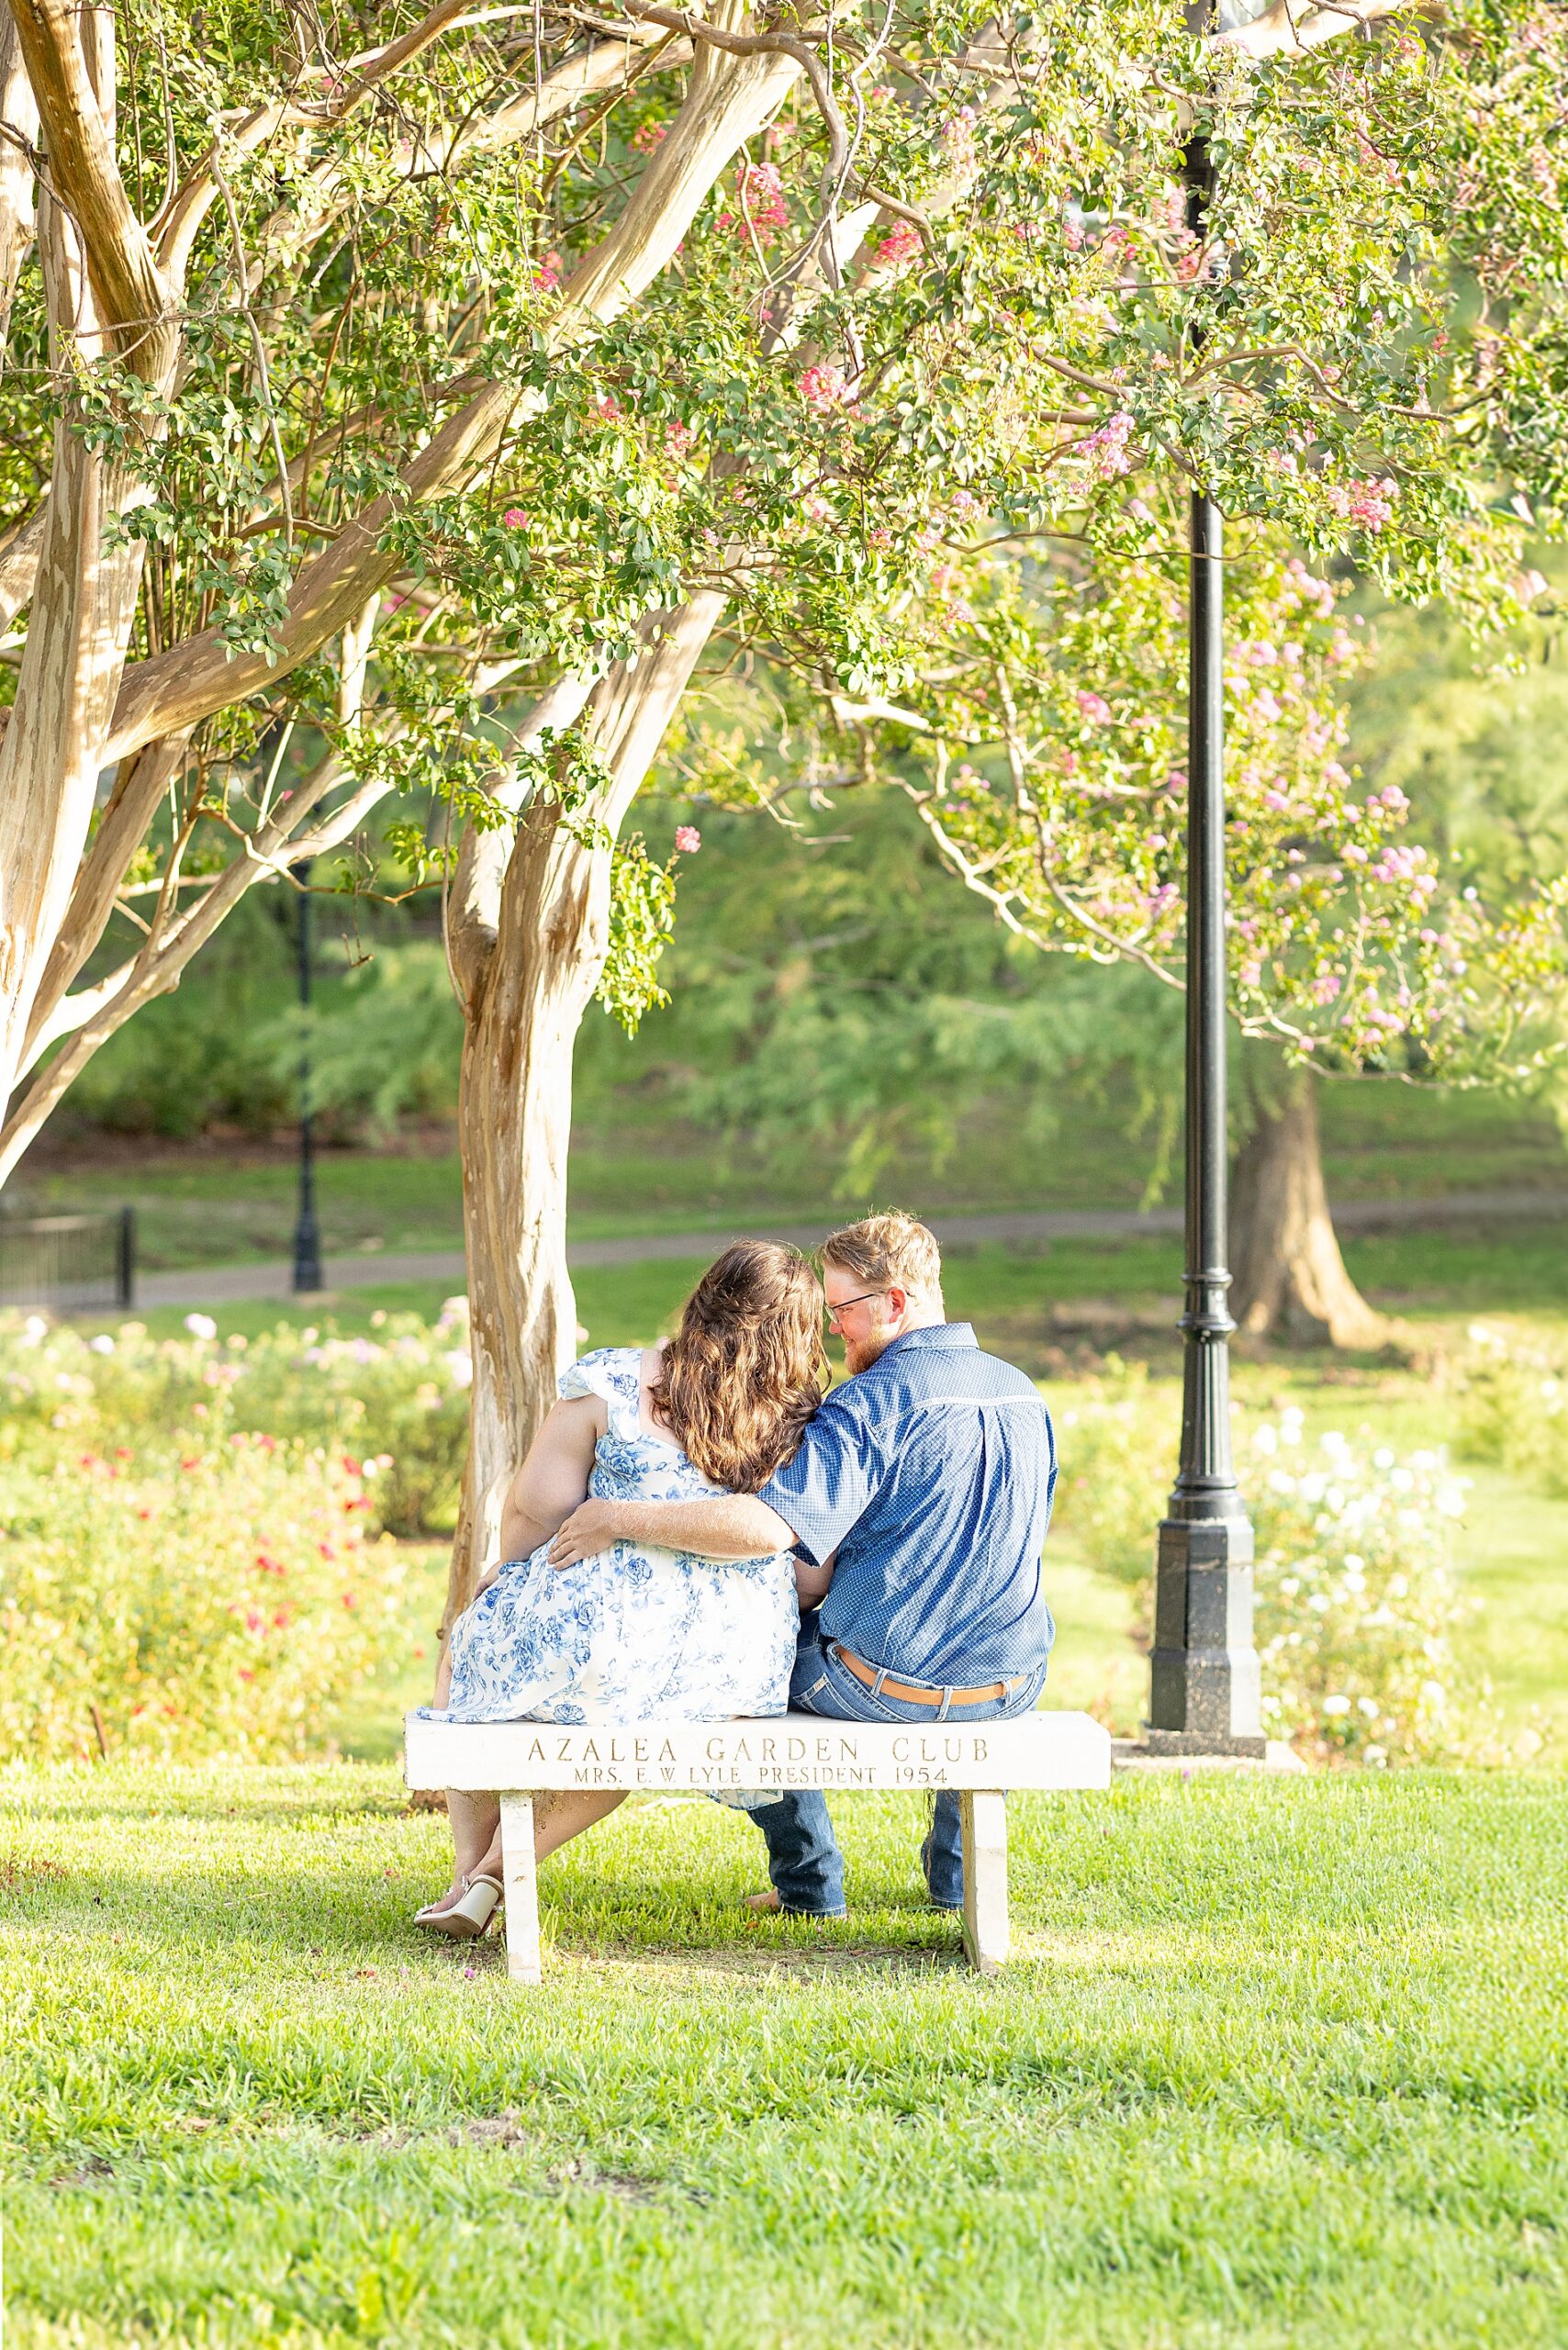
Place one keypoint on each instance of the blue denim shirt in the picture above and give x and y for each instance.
(931, 1475)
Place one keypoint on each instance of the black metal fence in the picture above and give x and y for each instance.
(75, 1264)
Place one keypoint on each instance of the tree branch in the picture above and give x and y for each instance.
(129, 291)
(724, 108)
(138, 788)
(19, 562)
(1292, 25)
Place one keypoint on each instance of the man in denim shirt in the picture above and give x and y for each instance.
(919, 1500)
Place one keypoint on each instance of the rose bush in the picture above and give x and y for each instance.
(398, 1401)
(1358, 1616)
(1512, 1397)
(223, 1598)
(1358, 1611)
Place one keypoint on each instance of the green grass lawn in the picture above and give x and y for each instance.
(1279, 2062)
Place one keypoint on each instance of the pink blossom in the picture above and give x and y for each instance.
(964, 504)
(761, 193)
(1325, 987)
(1107, 449)
(649, 135)
(1368, 504)
(687, 839)
(1139, 511)
(678, 437)
(1392, 797)
(547, 277)
(902, 244)
(515, 519)
(815, 508)
(1249, 973)
(1071, 235)
(1094, 707)
(824, 386)
(607, 406)
(1276, 801)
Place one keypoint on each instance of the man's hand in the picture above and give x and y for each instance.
(591, 1528)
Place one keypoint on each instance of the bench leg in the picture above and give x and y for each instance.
(523, 1889)
(984, 1819)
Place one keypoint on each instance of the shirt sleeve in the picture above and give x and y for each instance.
(827, 1488)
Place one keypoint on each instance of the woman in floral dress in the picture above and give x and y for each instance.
(639, 1634)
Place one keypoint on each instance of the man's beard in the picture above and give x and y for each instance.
(860, 1354)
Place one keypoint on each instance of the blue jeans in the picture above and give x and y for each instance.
(804, 1858)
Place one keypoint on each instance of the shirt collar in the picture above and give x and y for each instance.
(938, 1334)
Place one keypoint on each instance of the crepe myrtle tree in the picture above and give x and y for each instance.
(1355, 949)
(398, 399)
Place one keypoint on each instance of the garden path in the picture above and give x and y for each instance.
(223, 1285)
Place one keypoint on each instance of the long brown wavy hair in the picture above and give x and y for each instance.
(745, 1369)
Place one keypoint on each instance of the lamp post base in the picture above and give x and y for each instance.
(1177, 1742)
(1204, 1695)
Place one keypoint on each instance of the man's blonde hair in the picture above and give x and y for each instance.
(885, 1250)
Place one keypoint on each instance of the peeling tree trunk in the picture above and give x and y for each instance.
(526, 990)
(1290, 1279)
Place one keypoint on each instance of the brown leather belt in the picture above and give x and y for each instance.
(910, 1692)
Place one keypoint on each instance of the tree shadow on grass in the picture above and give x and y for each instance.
(244, 1921)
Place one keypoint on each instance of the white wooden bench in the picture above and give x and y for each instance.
(979, 1761)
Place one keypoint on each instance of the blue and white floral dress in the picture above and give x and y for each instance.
(636, 1634)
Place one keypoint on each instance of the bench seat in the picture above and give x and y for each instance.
(978, 1760)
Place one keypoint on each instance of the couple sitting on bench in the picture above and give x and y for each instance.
(698, 1534)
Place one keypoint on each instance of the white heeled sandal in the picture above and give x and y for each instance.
(466, 1917)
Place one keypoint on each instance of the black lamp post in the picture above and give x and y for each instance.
(1204, 1695)
(307, 1232)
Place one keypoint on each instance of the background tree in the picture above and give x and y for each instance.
(1354, 951)
(389, 397)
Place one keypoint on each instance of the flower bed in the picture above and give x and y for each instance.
(1359, 1618)
(217, 1599)
(397, 1401)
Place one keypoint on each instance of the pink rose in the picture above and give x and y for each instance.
(515, 519)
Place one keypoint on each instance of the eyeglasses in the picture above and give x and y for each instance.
(845, 1303)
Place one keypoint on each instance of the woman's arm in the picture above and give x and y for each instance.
(554, 1480)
